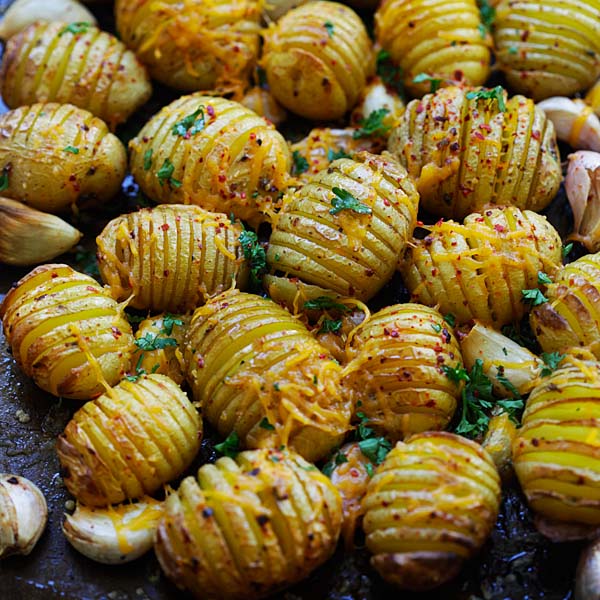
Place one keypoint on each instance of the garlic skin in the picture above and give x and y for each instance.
(116, 534)
(23, 515)
(32, 237)
(574, 121)
(582, 185)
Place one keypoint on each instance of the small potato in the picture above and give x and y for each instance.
(77, 64)
(53, 155)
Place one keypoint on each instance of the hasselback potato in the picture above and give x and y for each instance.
(66, 332)
(52, 155)
(129, 441)
(170, 257)
(317, 58)
(247, 527)
(571, 317)
(395, 370)
(193, 45)
(73, 63)
(555, 453)
(429, 507)
(258, 372)
(480, 269)
(549, 48)
(214, 153)
(471, 148)
(442, 39)
(345, 229)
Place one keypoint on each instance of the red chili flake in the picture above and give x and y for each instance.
(222, 178)
(116, 332)
(54, 275)
(210, 111)
(535, 134)
(419, 108)
(200, 362)
(91, 288)
(322, 355)
(386, 202)
(485, 127)
(164, 227)
(499, 228)
(354, 472)
(166, 272)
(479, 136)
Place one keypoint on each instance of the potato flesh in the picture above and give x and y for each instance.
(248, 360)
(129, 441)
(244, 529)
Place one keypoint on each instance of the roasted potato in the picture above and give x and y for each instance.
(129, 441)
(53, 155)
(193, 45)
(66, 332)
(171, 257)
(345, 229)
(317, 58)
(395, 371)
(469, 148)
(248, 527)
(480, 269)
(214, 153)
(429, 507)
(258, 372)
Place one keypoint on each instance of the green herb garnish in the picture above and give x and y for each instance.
(230, 447)
(533, 297)
(325, 303)
(255, 254)
(373, 124)
(190, 125)
(344, 200)
(434, 82)
(148, 159)
(266, 425)
(567, 250)
(331, 155)
(300, 163)
(330, 27)
(75, 28)
(450, 319)
(330, 326)
(543, 279)
(168, 321)
(165, 173)
(487, 13)
(552, 360)
(496, 93)
(71, 149)
(390, 73)
(4, 177)
(151, 342)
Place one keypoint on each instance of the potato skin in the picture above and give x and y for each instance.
(129, 441)
(438, 38)
(66, 332)
(246, 528)
(41, 171)
(91, 69)
(171, 257)
(236, 163)
(429, 507)
(467, 153)
(193, 45)
(348, 253)
(247, 360)
(478, 270)
(571, 317)
(317, 58)
(394, 369)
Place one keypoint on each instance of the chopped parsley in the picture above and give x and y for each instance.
(482, 31)
(331, 155)
(165, 174)
(344, 200)
(450, 319)
(4, 178)
(330, 27)
(300, 163)
(567, 250)
(375, 449)
(325, 303)
(533, 297)
(71, 149)
(373, 124)
(487, 14)
(168, 321)
(390, 74)
(230, 447)
(266, 425)
(543, 279)
(148, 159)
(339, 458)
(434, 82)
(512, 50)
(190, 125)
(255, 254)
(151, 342)
(75, 28)
(506, 383)
(496, 93)
(330, 326)
(436, 327)
(551, 361)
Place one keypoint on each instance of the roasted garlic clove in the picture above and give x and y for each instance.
(31, 237)
(498, 442)
(116, 534)
(587, 579)
(23, 515)
(376, 96)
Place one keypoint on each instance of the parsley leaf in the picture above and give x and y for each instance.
(168, 321)
(567, 250)
(482, 31)
(266, 425)
(330, 27)
(148, 159)
(71, 149)
(496, 93)
(339, 458)
(330, 326)
(331, 155)
(450, 319)
(230, 447)
(507, 384)
(533, 297)
(436, 327)
(75, 28)
(434, 82)
(364, 431)
(543, 279)
(4, 177)
(390, 74)
(190, 125)
(255, 254)
(325, 303)
(552, 360)
(165, 173)
(344, 200)
(375, 449)
(487, 13)
(373, 124)
(151, 342)
(300, 163)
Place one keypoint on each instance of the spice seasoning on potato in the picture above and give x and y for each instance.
(170, 257)
(54, 155)
(129, 441)
(471, 148)
(430, 507)
(317, 58)
(486, 269)
(249, 526)
(66, 332)
(73, 63)
(257, 371)
(214, 153)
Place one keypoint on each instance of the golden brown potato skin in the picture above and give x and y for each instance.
(90, 69)
(129, 441)
(466, 153)
(193, 45)
(234, 162)
(248, 527)
(171, 257)
(479, 269)
(317, 58)
(429, 507)
(257, 370)
(66, 332)
(395, 360)
(52, 155)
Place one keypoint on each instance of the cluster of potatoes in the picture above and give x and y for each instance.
(270, 339)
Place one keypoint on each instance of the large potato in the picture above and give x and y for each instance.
(73, 63)
(52, 155)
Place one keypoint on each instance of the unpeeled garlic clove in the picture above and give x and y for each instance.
(116, 534)
(31, 237)
(23, 515)
(574, 121)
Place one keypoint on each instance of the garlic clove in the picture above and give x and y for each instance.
(23, 515)
(377, 96)
(574, 121)
(31, 237)
(116, 534)
(587, 579)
